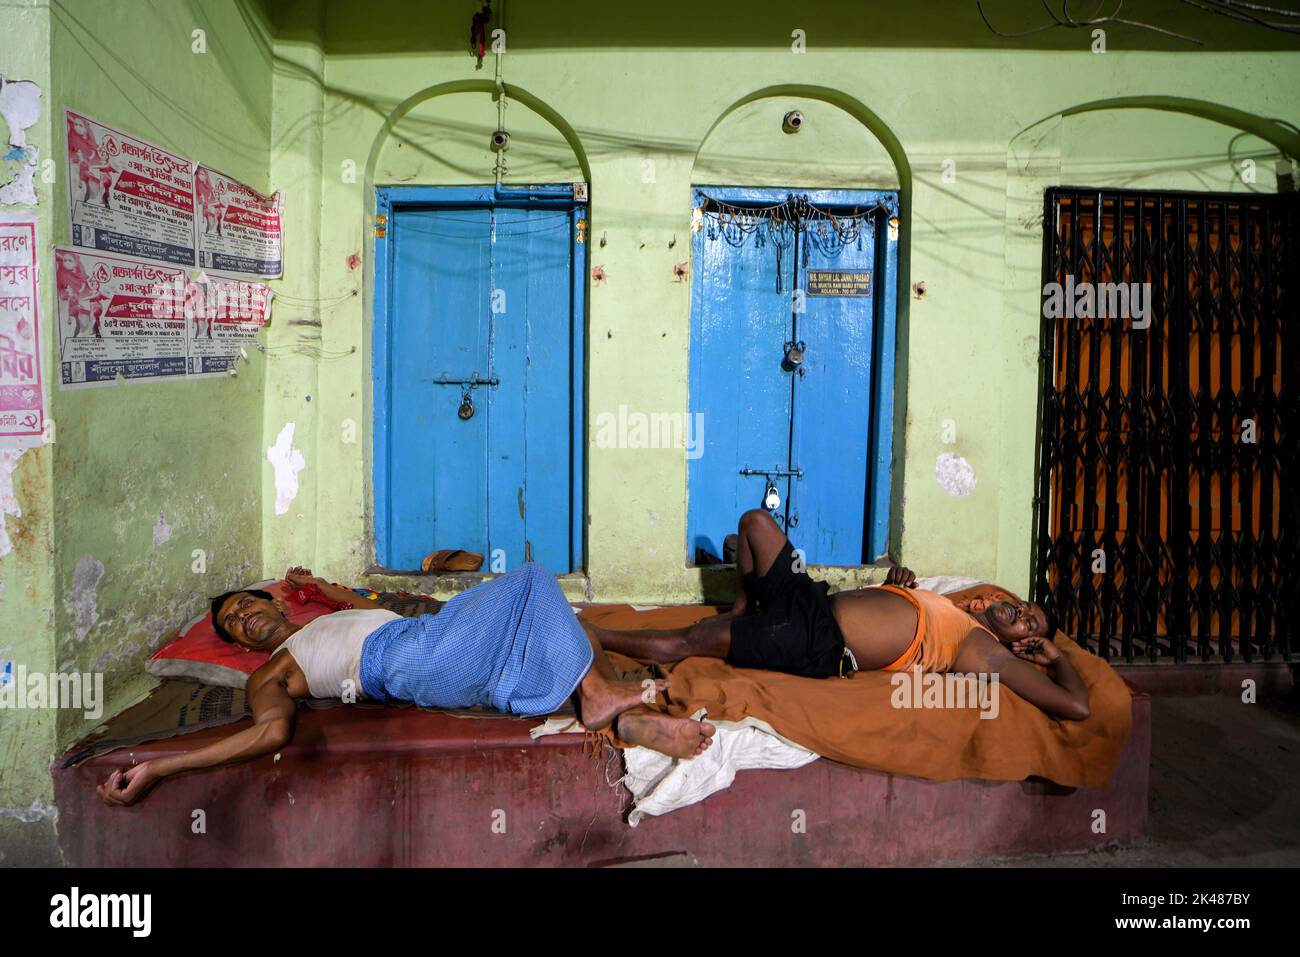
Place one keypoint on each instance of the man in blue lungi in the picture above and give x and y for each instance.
(512, 644)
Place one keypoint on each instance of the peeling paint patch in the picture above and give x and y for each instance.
(162, 532)
(287, 462)
(83, 598)
(37, 811)
(20, 106)
(21, 189)
(8, 498)
(955, 475)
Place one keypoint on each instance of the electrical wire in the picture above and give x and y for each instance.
(1069, 22)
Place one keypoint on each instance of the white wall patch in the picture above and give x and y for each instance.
(8, 498)
(955, 474)
(82, 600)
(288, 462)
(21, 190)
(20, 106)
(37, 811)
(162, 532)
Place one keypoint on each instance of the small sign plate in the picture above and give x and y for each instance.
(838, 282)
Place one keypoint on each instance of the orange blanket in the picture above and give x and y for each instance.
(852, 720)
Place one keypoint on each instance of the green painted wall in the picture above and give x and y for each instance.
(28, 737)
(145, 475)
(150, 493)
(296, 355)
(648, 108)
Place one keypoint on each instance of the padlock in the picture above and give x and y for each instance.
(772, 500)
(794, 354)
(466, 410)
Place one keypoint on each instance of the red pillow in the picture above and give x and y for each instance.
(197, 653)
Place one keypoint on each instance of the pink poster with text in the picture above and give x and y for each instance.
(22, 400)
(127, 196)
(238, 230)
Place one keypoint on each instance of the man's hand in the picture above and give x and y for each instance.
(126, 786)
(298, 577)
(1038, 651)
(900, 576)
(336, 596)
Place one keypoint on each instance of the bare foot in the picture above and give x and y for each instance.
(677, 737)
(601, 700)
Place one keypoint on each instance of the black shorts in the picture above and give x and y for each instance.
(788, 625)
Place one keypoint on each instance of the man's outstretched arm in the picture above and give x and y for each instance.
(273, 716)
(408, 606)
(1060, 692)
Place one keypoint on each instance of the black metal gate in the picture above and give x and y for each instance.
(1165, 517)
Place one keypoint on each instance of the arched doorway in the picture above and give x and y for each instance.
(798, 208)
(479, 305)
(1160, 511)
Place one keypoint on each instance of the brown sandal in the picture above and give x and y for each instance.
(452, 560)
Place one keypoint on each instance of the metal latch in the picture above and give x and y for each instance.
(466, 408)
(470, 383)
(772, 497)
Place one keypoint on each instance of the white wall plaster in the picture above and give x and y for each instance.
(288, 462)
(162, 532)
(37, 811)
(955, 474)
(8, 498)
(21, 190)
(20, 105)
(83, 598)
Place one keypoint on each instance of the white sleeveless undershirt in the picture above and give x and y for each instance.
(328, 649)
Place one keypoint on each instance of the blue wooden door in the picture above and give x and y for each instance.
(479, 404)
(833, 404)
(738, 320)
(792, 368)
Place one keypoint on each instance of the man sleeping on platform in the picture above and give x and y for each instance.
(512, 644)
(782, 620)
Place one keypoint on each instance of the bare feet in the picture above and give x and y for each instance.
(677, 737)
(601, 700)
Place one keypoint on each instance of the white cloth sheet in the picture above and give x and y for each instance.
(660, 784)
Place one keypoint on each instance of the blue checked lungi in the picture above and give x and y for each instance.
(512, 643)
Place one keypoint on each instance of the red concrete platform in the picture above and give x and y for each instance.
(1272, 679)
(383, 787)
